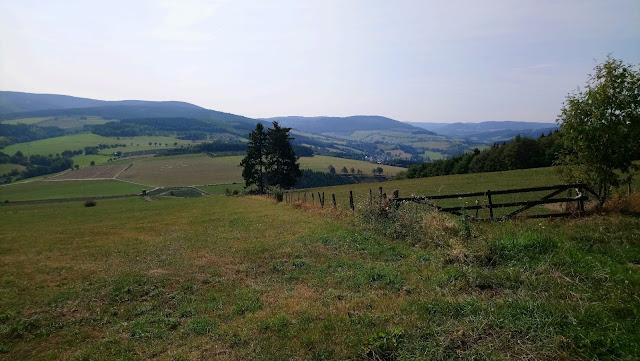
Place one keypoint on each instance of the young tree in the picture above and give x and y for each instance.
(600, 127)
(253, 162)
(332, 169)
(344, 170)
(281, 163)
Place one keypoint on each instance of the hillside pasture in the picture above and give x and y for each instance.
(91, 172)
(41, 190)
(59, 144)
(85, 160)
(321, 163)
(239, 278)
(184, 170)
(34, 120)
(8, 167)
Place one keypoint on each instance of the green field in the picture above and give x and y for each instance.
(59, 144)
(199, 169)
(6, 168)
(26, 120)
(64, 122)
(321, 163)
(40, 189)
(223, 188)
(85, 160)
(245, 278)
(184, 170)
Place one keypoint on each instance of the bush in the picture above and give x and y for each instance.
(90, 203)
(278, 194)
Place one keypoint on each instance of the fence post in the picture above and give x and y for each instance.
(490, 204)
(320, 200)
(370, 196)
(298, 196)
(580, 201)
(313, 199)
(305, 197)
(353, 208)
(335, 205)
(394, 197)
(380, 195)
(323, 199)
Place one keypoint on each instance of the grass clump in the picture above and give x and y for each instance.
(202, 326)
(384, 345)
(413, 224)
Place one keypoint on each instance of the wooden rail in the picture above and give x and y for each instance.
(522, 205)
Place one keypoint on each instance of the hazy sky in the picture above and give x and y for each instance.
(434, 61)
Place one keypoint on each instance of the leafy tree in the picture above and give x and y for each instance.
(253, 162)
(353, 170)
(281, 162)
(600, 126)
(344, 170)
(332, 169)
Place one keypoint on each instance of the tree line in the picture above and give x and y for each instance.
(521, 153)
(36, 165)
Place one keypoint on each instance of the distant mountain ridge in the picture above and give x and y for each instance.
(15, 102)
(490, 132)
(15, 105)
(332, 125)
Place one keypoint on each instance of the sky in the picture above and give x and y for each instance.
(410, 60)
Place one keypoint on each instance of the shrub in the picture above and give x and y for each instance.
(278, 194)
(90, 203)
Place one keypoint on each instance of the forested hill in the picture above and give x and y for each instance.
(327, 125)
(521, 153)
(16, 105)
(490, 132)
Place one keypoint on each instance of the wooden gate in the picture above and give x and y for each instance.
(521, 206)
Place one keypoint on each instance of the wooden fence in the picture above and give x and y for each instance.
(489, 204)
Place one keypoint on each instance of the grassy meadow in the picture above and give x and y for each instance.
(59, 144)
(42, 189)
(246, 278)
(184, 170)
(321, 163)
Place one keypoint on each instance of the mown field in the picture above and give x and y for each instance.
(321, 163)
(234, 278)
(184, 170)
(42, 189)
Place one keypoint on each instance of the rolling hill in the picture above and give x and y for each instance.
(489, 132)
(342, 125)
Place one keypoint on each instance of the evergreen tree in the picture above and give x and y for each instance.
(253, 162)
(281, 163)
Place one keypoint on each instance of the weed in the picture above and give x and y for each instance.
(383, 346)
